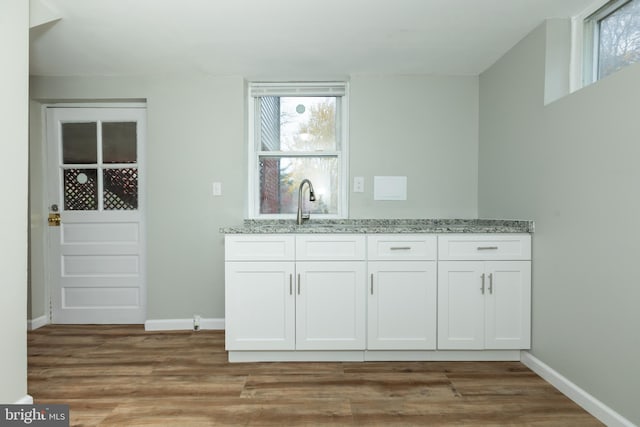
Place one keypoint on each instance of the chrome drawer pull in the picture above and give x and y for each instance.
(371, 283)
(290, 284)
(487, 248)
(491, 283)
(482, 288)
(400, 248)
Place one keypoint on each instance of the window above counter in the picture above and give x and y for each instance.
(297, 131)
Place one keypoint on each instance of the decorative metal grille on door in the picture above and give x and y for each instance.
(80, 190)
(120, 189)
(99, 164)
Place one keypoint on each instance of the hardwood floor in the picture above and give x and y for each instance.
(122, 375)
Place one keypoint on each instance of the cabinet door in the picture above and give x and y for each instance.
(508, 305)
(402, 305)
(330, 307)
(260, 306)
(460, 305)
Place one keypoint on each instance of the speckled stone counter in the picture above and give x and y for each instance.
(379, 226)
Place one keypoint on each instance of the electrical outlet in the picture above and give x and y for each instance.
(216, 189)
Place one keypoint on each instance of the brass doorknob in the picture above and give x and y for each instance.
(54, 220)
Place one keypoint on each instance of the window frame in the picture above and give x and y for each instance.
(586, 30)
(256, 89)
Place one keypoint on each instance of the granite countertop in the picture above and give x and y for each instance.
(373, 226)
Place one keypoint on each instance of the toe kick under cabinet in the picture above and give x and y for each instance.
(354, 297)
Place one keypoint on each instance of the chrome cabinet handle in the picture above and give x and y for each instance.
(487, 248)
(482, 288)
(290, 284)
(371, 283)
(298, 283)
(491, 283)
(400, 248)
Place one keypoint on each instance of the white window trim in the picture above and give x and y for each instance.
(584, 61)
(300, 89)
(579, 61)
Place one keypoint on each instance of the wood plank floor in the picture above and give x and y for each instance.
(124, 376)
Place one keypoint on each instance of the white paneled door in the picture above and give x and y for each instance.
(96, 214)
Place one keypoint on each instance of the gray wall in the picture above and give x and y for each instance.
(422, 127)
(14, 45)
(425, 128)
(571, 166)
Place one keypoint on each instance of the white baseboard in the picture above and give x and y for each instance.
(36, 323)
(589, 403)
(26, 400)
(182, 324)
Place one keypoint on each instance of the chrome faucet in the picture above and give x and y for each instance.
(312, 198)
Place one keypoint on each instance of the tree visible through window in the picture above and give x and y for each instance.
(616, 36)
(298, 137)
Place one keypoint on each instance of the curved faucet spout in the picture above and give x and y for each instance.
(312, 198)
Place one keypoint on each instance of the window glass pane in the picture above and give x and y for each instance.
(79, 143)
(119, 142)
(619, 40)
(80, 189)
(120, 189)
(280, 179)
(298, 123)
(270, 123)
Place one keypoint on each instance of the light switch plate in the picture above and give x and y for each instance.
(216, 189)
(358, 184)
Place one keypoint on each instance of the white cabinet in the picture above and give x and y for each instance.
(274, 301)
(330, 247)
(259, 294)
(484, 294)
(330, 305)
(464, 247)
(377, 296)
(259, 305)
(401, 292)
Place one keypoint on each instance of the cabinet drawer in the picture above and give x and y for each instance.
(330, 247)
(405, 247)
(484, 247)
(251, 247)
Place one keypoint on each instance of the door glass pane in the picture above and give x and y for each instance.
(280, 179)
(120, 189)
(119, 142)
(296, 123)
(80, 189)
(79, 143)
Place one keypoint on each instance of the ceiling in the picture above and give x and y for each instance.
(281, 38)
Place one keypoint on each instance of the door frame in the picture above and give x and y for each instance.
(46, 259)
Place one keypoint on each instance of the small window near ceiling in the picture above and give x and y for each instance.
(297, 131)
(612, 38)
